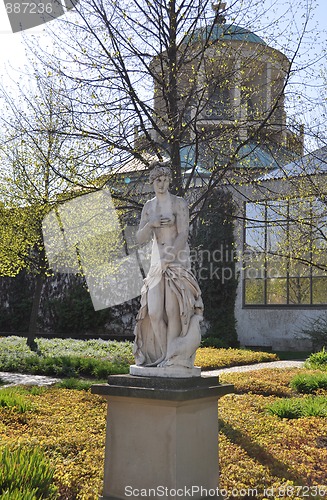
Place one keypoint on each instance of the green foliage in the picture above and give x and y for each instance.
(14, 352)
(10, 399)
(15, 308)
(18, 494)
(214, 266)
(19, 233)
(67, 366)
(316, 331)
(100, 358)
(317, 360)
(25, 472)
(213, 342)
(308, 383)
(77, 384)
(66, 357)
(73, 312)
(299, 407)
(69, 312)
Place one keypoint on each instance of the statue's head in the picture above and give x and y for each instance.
(159, 168)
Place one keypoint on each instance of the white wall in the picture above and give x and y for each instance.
(275, 327)
(272, 327)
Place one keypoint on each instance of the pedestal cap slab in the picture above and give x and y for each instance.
(174, 389)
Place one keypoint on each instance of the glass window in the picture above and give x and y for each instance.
(277, 212)
(299, 290)
(255, 214)
(218, 106)
(277, 239)
(254, 291)
(254, 266)
(276, 266)
(276, 291)
(319, 290)
(255, 239)
(285, 253)
(298, 268)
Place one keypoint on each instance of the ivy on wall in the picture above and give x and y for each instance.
(213, 259)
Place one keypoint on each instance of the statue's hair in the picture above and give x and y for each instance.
(159, 168)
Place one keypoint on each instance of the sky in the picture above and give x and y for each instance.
(12, 48)
(13, 58)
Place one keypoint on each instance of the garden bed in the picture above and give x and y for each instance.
(100, 358)
(257, 450)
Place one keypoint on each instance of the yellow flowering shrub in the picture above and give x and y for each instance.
(210, 358)
(267, 382)
(70, 428)
(256, 450)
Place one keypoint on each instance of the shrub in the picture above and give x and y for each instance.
(212, 238)
(25, 471)
(316, 331)
(285, 408)
(99, 358)
(15, 356)
(267, 382)
(67, 366)
(9, 398)
(73, 313)
(210, 358)
(308, 383)
(18, 494)
(213, 342)
(299, 407)
(317, 360)
(76, 384)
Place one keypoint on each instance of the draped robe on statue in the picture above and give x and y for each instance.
(182, 282)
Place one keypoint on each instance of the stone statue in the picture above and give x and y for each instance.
(167, 331)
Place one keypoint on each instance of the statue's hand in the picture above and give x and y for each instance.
(162, 221)
(167, 221)
(155, 221)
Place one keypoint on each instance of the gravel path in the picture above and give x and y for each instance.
(20, 379)
(257, 366)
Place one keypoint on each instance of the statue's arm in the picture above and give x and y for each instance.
(146, 226)
(182, 226)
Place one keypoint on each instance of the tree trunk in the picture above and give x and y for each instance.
(32, 328)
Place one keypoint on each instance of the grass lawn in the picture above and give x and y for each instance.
(293, 355)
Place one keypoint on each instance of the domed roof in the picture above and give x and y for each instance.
(224, 31)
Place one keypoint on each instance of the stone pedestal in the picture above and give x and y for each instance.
(166, 371)
(162, 437)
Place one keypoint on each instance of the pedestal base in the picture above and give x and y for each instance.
(166, 371)
(162, 436)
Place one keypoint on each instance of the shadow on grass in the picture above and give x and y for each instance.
(258, 453)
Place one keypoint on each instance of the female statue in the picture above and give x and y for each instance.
(167, 332)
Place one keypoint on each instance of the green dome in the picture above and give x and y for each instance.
(225, 32)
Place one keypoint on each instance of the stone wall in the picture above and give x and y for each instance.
(65, 310)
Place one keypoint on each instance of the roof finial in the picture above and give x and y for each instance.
(219, 9)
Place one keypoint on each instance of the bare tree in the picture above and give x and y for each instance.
(177, 79)
(140, 79)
